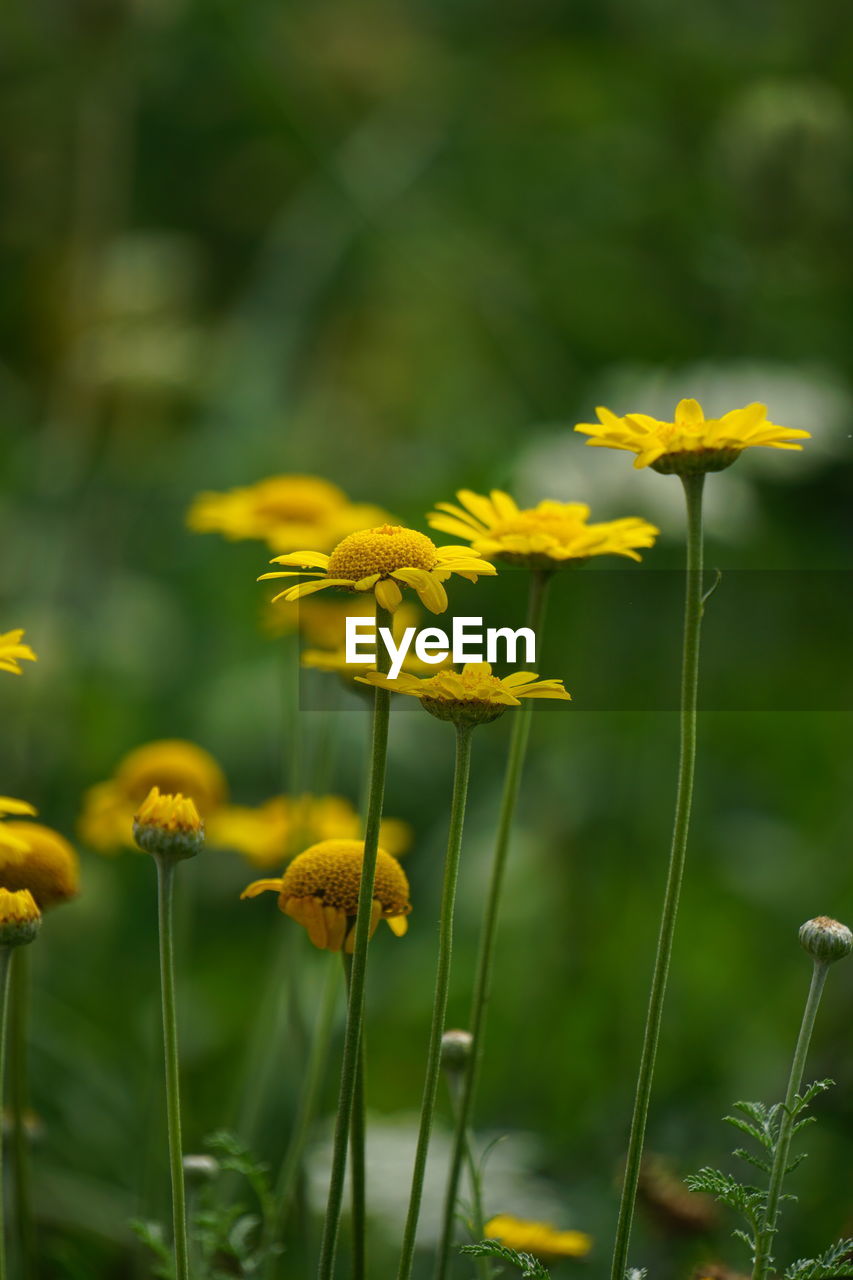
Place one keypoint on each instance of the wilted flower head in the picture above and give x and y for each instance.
(320, 891)
(826, 940)
(169, 826)
(470, 696)
(539, 1238)
(20, 918)
(692, 443)
(44, 863)
(550, 535)
(13, 652)
(382, 560)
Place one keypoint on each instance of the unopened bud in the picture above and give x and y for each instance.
(168, 825)
(456, 1049)
(826, 940)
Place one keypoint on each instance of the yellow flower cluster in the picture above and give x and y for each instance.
(286, 510)
(539, 1238)
(172, 765)
(270, 833)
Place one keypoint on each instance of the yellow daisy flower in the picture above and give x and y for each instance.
(539, 1238)
(472, 695)
(320, 891)
(547, 536)
(13, 653)
(173, 765)
(692, 443)
(16, 809)
(168, 824)
(270, 833)
(282, 510)
(380, 560)
(45, 864)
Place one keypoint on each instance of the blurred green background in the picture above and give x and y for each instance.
(407, 248)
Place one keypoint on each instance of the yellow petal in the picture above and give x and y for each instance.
(261, 886)
(388, 594)
(398, 924)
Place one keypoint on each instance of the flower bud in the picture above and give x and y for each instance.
(20, 918)
(826, 940)
(169, 826)
(456, 1047)
(199, 1169)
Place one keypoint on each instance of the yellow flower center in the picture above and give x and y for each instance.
(331, 871)
(562, 520)
(381, 551)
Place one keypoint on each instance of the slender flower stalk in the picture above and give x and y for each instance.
(826, 941)
(358, 1175)
(358, 974)
(5, 958)
(165, 886)
(537, 600)
(693, 604)
(764, 1243)
(442, 983)
(309, 1098)
(18, 1020)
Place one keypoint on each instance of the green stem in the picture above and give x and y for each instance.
(5, 956)
(537, 600)
(693, 487)
(358, 1177)
(165, 886)
(454, 1088)
(355, 1004)
(442, 983)
(764, 1242)
(310, 1093)
(18, 1108)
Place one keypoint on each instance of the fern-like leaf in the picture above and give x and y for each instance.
(529, 1266)
(835, 1262)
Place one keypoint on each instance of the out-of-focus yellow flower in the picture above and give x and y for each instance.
(46, 864)
(173, 765)
(281, 511)
(548, 536)
(20, 918)
(273, 832)
(539, 1238)
(691, 443)
(472, 695)
(15, 809)
(13, 652)
(168, 825)
(320, 891)
(381, 561)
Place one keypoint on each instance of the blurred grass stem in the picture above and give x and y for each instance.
(5, 958)
(358, 1177)
(18, 1018)
(358, 973)
(537, 601)
(165, 887)
(693, 602)
(442, 983)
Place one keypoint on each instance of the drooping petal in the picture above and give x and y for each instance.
(388, 594)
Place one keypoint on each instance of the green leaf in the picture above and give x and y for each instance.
(525, 1262)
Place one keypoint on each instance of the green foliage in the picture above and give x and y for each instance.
(762, 1124)
(525, 1262)
(228, 1240)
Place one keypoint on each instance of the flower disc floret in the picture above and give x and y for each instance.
(470, 696)
(382, 560)
(169, 826)
(548, 536)
(539, 1238)
(45, 864)
(320, 891)
(691, 444)
(20, 918)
